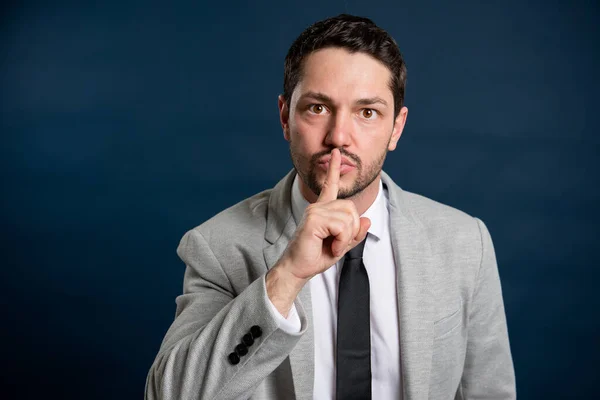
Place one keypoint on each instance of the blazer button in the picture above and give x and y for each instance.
(241, 349)
(234, 359)
(256, 331)
(248, 340)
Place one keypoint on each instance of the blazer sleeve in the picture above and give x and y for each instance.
(488, 372)
(193, 360)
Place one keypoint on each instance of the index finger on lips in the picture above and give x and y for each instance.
(329, 192)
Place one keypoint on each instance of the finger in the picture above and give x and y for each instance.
(342, 209)
(348, 207)
(365, 224)
(339, 246)
(329, 192)
(340, 243)
(330, 222)
(339, 230)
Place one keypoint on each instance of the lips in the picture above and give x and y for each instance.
(345, 161)
(346, 165)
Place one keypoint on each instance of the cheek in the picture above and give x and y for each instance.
(309, 125)
(300, 143)
(370, 137)
(372, 129)
(309, 133)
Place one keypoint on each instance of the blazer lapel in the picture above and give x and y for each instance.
(278, 233)
(414, 261)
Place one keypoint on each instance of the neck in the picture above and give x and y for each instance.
(362, 200)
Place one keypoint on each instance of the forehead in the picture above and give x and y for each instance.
(344, 76)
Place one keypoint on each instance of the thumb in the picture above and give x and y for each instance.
(365, 224)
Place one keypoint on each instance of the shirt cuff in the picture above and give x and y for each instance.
(291, 324)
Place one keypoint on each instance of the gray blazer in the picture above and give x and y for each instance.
(453, 335)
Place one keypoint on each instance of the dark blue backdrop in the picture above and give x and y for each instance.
(124, 124)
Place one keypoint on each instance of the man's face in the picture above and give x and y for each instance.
(342, 100)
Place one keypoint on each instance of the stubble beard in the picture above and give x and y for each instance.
(365, 175)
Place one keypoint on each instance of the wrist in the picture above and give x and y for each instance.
(283, 287)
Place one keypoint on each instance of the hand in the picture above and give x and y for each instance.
(329, 228)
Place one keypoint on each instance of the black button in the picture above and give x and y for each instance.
(241, 349)
(256, 331)
(248, 340)
(234, 358)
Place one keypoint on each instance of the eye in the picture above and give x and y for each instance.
(317, 108)
(368, 113)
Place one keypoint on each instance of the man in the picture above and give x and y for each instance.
(337, 283)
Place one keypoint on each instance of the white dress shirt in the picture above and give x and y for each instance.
(379, 263)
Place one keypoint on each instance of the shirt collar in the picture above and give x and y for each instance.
(377, 212)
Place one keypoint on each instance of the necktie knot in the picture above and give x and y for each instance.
(357, 251)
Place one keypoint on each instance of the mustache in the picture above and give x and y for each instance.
(315, 158)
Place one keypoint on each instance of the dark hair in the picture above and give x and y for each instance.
(355, 34)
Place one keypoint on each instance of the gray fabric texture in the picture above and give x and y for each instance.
(453, 334)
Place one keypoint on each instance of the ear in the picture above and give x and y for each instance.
(398, 128)
(284, 116)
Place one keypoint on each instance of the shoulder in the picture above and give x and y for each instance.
(449, 230)
(244, 220)
(431, 213)
(446, 225)
(458, 243)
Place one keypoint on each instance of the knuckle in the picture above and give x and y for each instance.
(350, 224)
(335, 228)
(310, 216)
(343, 227)
(347, 203)
(352, 214)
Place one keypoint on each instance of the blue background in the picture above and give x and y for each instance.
(124, 124)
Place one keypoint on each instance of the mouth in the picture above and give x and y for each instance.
(345, 161)
(344, 168)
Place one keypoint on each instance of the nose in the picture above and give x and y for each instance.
(340, 130)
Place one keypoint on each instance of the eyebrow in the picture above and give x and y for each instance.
(326, 99)
(371, 100)
(317, 96)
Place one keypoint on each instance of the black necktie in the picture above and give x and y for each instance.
(353, 363)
